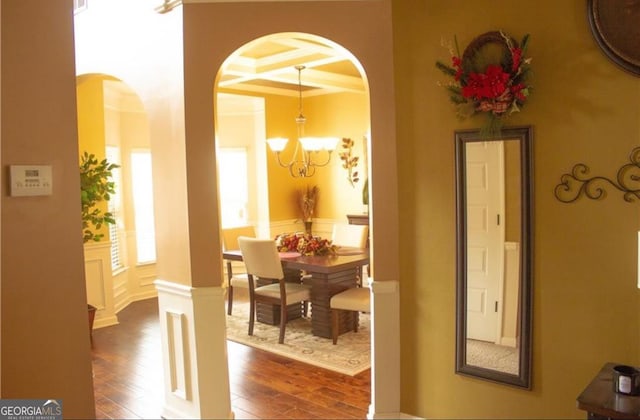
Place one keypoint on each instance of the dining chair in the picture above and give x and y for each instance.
(354, 236)
(262, 261)
(355, 299)
(238, 279)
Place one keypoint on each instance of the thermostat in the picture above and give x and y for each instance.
(30, 180)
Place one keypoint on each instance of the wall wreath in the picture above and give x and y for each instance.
(489, 78)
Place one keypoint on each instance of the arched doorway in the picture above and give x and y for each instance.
(113, 124)
(258, 94)
(334, 91)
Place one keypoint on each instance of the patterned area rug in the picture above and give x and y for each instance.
(350, 356)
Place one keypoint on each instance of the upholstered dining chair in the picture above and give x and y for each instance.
(262, 261)
(356, 299)
(354, 236)
(230, 242)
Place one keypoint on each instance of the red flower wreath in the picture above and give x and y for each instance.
(498, 89)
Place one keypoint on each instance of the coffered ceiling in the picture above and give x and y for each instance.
(268, 66)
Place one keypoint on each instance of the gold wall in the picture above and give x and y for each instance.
(583, 109)
(338, 115)
(91, 126)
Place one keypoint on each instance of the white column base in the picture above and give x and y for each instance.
(194, 352)
(385, 351)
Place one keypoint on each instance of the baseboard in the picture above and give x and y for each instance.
(113, 320)
(143, 295)
(105, 322)
(392, 416)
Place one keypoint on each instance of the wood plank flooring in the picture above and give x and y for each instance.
(128, 377)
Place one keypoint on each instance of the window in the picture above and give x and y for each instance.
(143, 205)
(79, 6)
(115, 207)
(234, 188)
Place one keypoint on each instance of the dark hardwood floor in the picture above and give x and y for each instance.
(128, 377)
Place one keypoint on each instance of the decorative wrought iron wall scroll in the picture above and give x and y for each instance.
(577, 183)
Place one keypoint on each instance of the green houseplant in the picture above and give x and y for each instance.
(95, 187)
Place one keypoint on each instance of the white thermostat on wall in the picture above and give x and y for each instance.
(31, 180)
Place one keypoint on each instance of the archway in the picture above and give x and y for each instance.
(335, 92)
(336, 103)
(113, 124)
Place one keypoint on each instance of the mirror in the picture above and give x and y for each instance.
(494, 186)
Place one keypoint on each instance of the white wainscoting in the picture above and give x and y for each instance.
(109, 291)
(97, 268)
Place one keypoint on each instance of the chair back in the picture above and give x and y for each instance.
(230, 236)
(261, 257)
(350, 235)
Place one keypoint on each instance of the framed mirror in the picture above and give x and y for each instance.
(494, 187)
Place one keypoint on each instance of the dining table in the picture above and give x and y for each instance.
(327, 275)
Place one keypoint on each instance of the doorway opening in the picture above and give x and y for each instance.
(113, 125)
(257, 95)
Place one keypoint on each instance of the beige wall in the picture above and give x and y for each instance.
(583, 109)
(149, 62)
(43, 285)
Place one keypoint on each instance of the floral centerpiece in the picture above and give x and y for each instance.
(489, 78)
(305, 244)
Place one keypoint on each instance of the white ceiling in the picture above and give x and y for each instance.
(268, 66)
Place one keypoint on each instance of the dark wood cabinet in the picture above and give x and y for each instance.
(358, 219)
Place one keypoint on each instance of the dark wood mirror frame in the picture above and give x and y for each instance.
(523, 134)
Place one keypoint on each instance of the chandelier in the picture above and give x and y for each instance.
(304, 161)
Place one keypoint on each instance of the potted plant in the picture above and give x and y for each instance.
(95, 187)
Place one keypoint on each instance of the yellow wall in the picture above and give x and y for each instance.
(339, 115)
(90, 115)
(583, 109)
(45, 342)
(91, 129)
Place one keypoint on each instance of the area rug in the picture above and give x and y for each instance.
(350, 356)
(492, 356)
